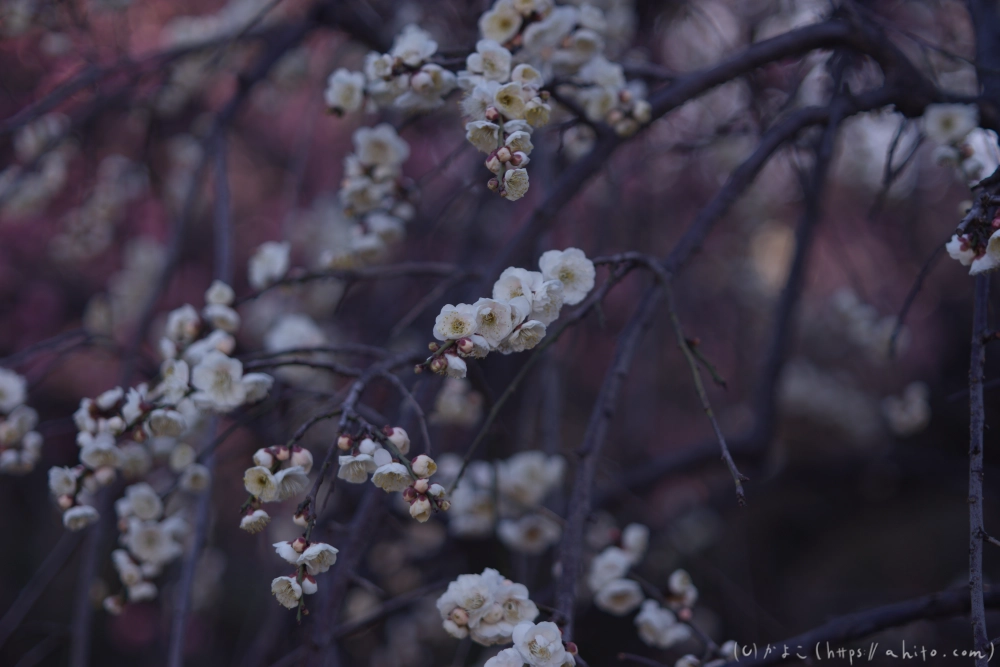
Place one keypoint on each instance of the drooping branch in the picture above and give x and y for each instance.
(977, 530)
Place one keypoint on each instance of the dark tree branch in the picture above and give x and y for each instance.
(977, 530)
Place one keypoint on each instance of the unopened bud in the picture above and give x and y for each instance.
(263, 458)
(300, 544)
(493, 164)
(433, 347)
(104, 475)
(571, 648)
(419, 368)
(493, 184)
(439, 365)
(545, 95)
(282, 453)
(685, 614)
(503, 154)
(464, 346)
(421, 486)
(421, 82)
(398, 437)
(424, 466)
(301, 519)
(459, 617)
(345, 442)
(303, 458)
(409, 494)
(615, 116)
(625, 95)
(64, 502)
(492, 114)
(444, 505)
(309, 585)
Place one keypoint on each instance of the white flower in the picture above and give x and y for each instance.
(519, 141)
(500, 23)
(509, 657)
(547, 302)
(268, 264)
(392, 477)
(658, 627)
(259, 482)
(490, 60)
(531, 534)
(169, 423)
(612, 563)
(515, 184)
(302, 458)
(550, 31)
(493, 320)
(527, 477)
(990, 259)
(420, 509)
(287, 551)
(256, 386)
(573, 269)
(144, 590)
(13, 390)
(287, 590)
(134, 460)
(413, 46)
(62, 481)
(255, 522)
(455, 322)
(400, 438)
(99, 452)
(145, 502)
(378, 65)
(318, 558)
(479, 99)
(218, 380)
(457, 368)
(528, 76)
(151, 542)
(907, 414)
(380, 146)
(515, 282)
(472, 593)
(483, 135)
(682, 587)
(508, 100)
(950, 123)
(289, 482)
(540, 645)
(217, 341)
(635, 541)
(195, 478)
(220, 293)
(345, 91)
(79, 517)
(175, 374)
(619, 597)
(355, 469)
(182, 325)
(525, 337)
(220, 316)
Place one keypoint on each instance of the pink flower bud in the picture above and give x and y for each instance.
(400, 438)
(301, 519)
(433, 347)
(493, 164)
(419, 368)
(409, 494)
(492, 114)
(309, 585)
(493, 184)
(104, 475)
(300, 544)
(465, 345)
(615, 116)
(571, 648)
(439, 365)
(504, 154)
(282, 453)
(421, 486)
(459, 617)
(345, 442)
(64, 502)
(444, 505)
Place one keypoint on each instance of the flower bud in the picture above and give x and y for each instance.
(302, 457)
(64, 502)
(419, 368)
(519, 158)
(400, 438)
(685, 615)
(301, 519)
(503, 154)
(104, 475)
(421, 82)
(113, 604)
(420, 509)
(571, 648)
(444, 505)
(368, 446)
(439, 365)
(492, 115)
(493, 184)
(615, 116)
(345, 442)
(263, 458)
(436, 490)
(421, 486)
(625, 95)
(465, 345)
(309, 585)
(459, 617)
(282, 453)
(493, 164)
(423, 466)
(433, 347)
(300, 544)
(409, 494)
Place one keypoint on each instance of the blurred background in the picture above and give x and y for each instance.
(860, 497)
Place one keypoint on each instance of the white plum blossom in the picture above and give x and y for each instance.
(509, 657)
(531, 534)
(658, 627)
(572, 268)
(950, 123)
(413, 46)
(345, 91)
(152, 542)
(13, 390)
(454, 322)
(612, 563)
(260, 483)
(541, 645)
(62, 481)
(289, 483)
(255, 521)
(79, 517)
(501, 23)
(218, 381)
(380, 146)
(635, 541)
(619, 597)
(287, 591)
(144, 501)
(392, 477)
(269, 264)
(356, 468)
(959, 249)
(490, 61)
(483, 135)
(318, 558)
(515, 184)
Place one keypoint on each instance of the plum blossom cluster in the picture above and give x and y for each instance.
(119, 430)
(309, 559)
(606, 96)
(536, 645)
(149, 540)
(615, 593)
(949, 126)
(20, 444)
(485, 607)
(504, 106)
(508, 496)
(279, 473)
(524, 303)
(383, 456)
(39, 175)
(404, 78)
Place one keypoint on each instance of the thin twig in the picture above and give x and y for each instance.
(977, 361)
